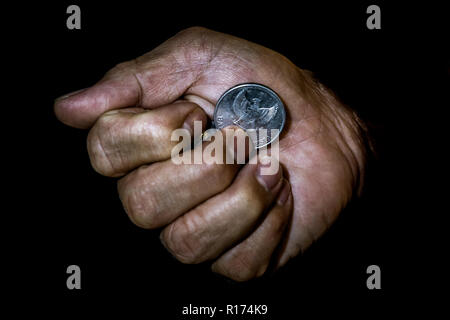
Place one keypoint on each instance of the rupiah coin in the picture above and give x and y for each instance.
(253, 107)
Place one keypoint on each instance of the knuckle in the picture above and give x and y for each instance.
(103, 144)
(140, 205)
(121, 68)
(181, 243)
(197, 43)
(241, 269)
(99, 157)
(193, 31)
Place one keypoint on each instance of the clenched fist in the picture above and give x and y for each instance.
(230, 214)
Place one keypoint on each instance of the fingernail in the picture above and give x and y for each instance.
(196, 115)
(284, 193)
(268, 181)
(70, 94)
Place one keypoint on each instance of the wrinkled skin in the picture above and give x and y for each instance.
(241, 221)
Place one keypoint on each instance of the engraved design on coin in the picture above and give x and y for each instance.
(252, 107)
(249, 109)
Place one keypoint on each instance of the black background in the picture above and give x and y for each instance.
(67, 214)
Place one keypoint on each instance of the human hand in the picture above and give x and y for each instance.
(235, 217)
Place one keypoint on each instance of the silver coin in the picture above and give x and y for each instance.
(251, 107)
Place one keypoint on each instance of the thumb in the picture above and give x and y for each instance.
(154, 79)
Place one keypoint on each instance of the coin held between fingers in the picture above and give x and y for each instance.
(252, 107)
